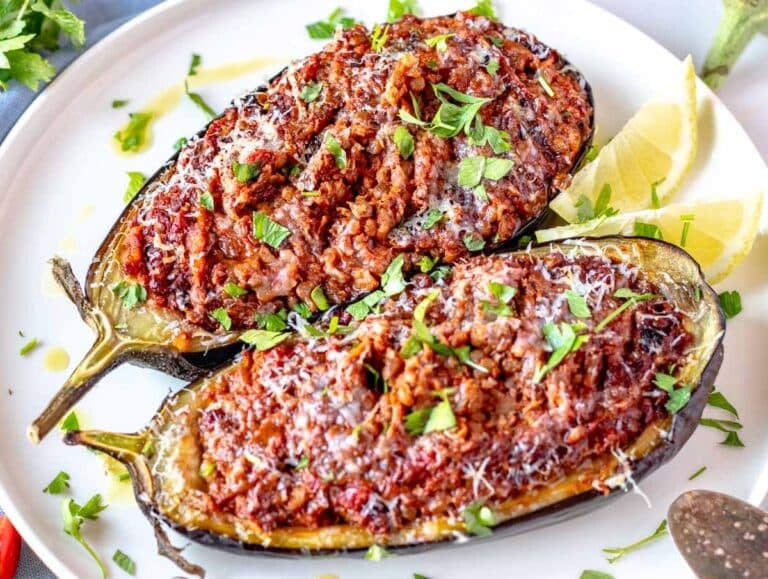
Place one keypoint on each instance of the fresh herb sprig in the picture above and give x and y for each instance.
(75, 515)
(616, 553)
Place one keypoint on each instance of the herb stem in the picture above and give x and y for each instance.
(614, 314)
(22, 10)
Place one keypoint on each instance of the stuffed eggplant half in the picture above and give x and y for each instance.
(439, 137)
(521, 389)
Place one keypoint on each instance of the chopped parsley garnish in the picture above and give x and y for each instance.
(473, 169)
(376, 553)
(28, 347)
(206, 201)
(246, 172)
(272, 322)
(268, 231)
(70, 423)
(439, 42)
(392, 283)
(323, 29)
(233, 290)
(358, 310)
(221, 316)
(484, 8)
(592, 574)
(200, 102)
(75, 515)
(311, 91)
(473, 243)
(336, 150)
(503, 294)
(119, 103)
(450, 118)
(561, 340)
(416, 421)
(263, 339)
(730, 302)
(718, 400)
(403, 141)
(207, 469)
(687, 220)
(196, 61)
(440, 272)
(732, 439)
(432, 218)
(399, 8)
(655, 202)
(136, 181)
(585, 211)
(720, 424)
(678, 397)
(441, 417)
(545, 85)
(591, 153)
(426, 263)
(180, 142)
(577, 304)
(478, 519)
(124, 562)
(379, 37)
(58, 485)
(492, 67)
(495, 40)
(647, 230)
(624, 294)
(318, 298)
(697, 473)
(303, 463)
(131, 295)
(616, 553)
(499, 141)
(134, 134)
(303, 310)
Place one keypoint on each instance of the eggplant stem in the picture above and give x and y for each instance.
(109, 350)
(741, 20)
(126, 448)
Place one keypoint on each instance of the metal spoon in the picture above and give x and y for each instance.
(720, 536)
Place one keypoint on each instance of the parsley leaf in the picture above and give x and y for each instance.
(233, 290)
(246, 172)
(272, 322)
(131, 294)
(70, 423)
(379, 37)
(336, 150)
(399, 8)
(647, 230)
(303, 463)
(592, 574)
(404, 141)
(561, 340)
(616, 553)
(631, 297)
(450, 118)
(478, 519)
(492, 67)
(730, 302)
(439, 42)
(416, 421)
(200, 102)
(484, 8)
(577, 304)
(718, 400)
(206, 201)
(136, 181)
(586, 211)
(196, 61)
(323, 29)
(268, 231)
(119, 103)
(732, 439)
(440, 418)
(317, 295)
(473, 243)
(28, 347)
(124, 562)
(75, 515)
(432, 218)
(58, 485)
(311, 91)
(376, 553)
(135, 134)
(222, 316)
(263, 339)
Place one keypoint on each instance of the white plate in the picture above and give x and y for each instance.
(59, 159)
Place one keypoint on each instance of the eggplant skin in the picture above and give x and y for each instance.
(563, 499)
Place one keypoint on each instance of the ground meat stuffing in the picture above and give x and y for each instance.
(349, 209)
(316, 430)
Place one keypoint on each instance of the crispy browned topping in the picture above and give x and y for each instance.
(305, 434)
(371, 209)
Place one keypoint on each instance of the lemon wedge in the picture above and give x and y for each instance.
(717, 234)
(654, 150)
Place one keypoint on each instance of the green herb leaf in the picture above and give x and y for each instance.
(136, 181)
(70, 24)
(233, 290)
(697, 473)
(484, 8)
(439, 42)
(206, 201)
(403, 141)
(502, 292)
(221, 316)
(586, 212)
(492, 67)
(323, 29)
(29, 68)
(134, 134)
(303, 463)
(311, 91)
(268, 231)
(440, 272)
(318, 298)
(358, 310)
(28, 347)
(70, 423)
(592, 152)
(379, 37)
(131, 295)
(119, 103)
(180, 142)
(471, 171)
(450, 118)
(432, 218)
(440, 418)
(478, 519)
(616, 553)
(577, 304)
(196, 61)
(74, 516)
(262, 339)
(272, 322)
(426, 263)
(665, 382)
(473, 243)
(335, 149)
(399, 8)
(303, 310)
(655, 202)
(631, 297)
(376, 553)
(561, 340)
(200, 102)
(496, 168)
(732, 439)
(721, 425)
(246, 172)
(718, 400)
(647, 230)
(730, 302)
(416, 421)
(58, 485)
(124, 562)
(591, 574)
(678, 399)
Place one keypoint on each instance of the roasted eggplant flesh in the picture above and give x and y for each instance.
(525, 382)
(302, 193)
